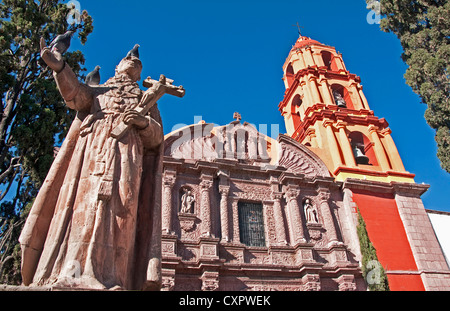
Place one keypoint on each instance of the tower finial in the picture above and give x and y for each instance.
(237, 116)
(298, 27)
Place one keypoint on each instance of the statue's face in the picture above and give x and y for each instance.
(131, 66)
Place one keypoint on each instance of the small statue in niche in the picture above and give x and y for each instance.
(339, 100)
(310, 212)
(187, 202)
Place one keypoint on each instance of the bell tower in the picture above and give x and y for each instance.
(324, 108)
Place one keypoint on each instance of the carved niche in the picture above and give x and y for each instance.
(187, 209)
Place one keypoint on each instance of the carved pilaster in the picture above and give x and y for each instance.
(292, 194)
(168, 183)
(332, 143)
(224, 219)
(278, 216)
(234, 208)
(379, 148)
(205, 205)
(324, 196)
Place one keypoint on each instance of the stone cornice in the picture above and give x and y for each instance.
(393, 187)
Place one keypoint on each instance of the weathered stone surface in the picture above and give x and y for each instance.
(96, 223)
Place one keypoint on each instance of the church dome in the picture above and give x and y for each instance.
(305, 41)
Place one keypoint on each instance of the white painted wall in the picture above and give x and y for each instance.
(441, 226)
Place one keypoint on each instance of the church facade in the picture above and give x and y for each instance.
(244, 211)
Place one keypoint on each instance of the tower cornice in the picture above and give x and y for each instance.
(320, 112)
(319, 73)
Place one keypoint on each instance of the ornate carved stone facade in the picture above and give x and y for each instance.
(227, 167)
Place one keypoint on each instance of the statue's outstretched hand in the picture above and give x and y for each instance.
(52, 59)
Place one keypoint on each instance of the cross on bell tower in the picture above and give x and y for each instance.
(299, 31)
(324, 108)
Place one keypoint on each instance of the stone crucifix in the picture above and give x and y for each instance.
(156, 90)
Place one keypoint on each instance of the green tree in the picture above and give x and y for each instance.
(372, 270)
(34, 118)
(423, 28)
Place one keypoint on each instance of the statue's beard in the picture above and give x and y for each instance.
(131, 76)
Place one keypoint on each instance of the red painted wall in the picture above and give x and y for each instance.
(386, 232)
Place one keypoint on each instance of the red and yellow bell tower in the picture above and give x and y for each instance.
(324, 108)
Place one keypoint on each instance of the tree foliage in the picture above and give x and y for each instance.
(34, 117)
(423, 28)
(373, 272)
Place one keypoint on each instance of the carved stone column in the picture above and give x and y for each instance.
(324, 196)
(205, 206)
(292, 194)
(333, 145)
(358, 102)
(363, 97)
(379, 149)
(307, 99)
(314, 90)
(168, 183)
(326, 93)
(345, 144)
(235, 211)
(278, 216)
(224, 219)
(392, 151)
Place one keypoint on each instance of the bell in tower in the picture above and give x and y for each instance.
(339, 100)
(360, 157)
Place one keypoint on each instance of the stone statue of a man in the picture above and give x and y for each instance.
(187, 202)
(96, 221)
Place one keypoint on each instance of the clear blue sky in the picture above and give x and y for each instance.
(229, 55)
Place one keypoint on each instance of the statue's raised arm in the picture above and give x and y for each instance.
(76, 95)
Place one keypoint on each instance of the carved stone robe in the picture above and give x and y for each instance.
(96, 220)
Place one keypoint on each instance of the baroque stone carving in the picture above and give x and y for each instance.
(188, 221)
(91, 206)
(298, 159)
(210, 281)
